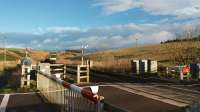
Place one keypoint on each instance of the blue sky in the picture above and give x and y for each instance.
(102, 24)
(24, 16)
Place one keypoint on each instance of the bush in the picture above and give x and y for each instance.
(182, 40)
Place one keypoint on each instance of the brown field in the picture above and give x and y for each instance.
(14, 54)
(66, 57)
(8, 64)
(118, 60)
(122, 66)
(177, 53)
(38, 55)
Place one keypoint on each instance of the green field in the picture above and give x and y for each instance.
(19, 52)
(8, 57)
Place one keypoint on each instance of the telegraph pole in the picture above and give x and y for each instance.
(4, 52)
(136, 42)
(82, 53)
(26, 53)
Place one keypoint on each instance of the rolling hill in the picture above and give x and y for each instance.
(14, 54)
(167, 54)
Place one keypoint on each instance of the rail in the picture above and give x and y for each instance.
(68, 97)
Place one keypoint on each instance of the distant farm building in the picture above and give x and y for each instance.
(144, 66)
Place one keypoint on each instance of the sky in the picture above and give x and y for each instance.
(101, 24)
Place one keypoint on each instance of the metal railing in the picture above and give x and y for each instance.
(68, 97)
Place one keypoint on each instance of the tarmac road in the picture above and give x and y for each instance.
(117, 98)
(130, 102)
(27, 103)
(1, 97)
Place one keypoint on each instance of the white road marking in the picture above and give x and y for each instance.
(4, 103)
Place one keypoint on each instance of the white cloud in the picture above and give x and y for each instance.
(34, 42)
(162, 36)
(178, 8)
(38, 46)
(115, 36)
(50, 40)
(57, 29)
(63, 29)
(114, 6)
(15, 46)
(106, 42)
(188, 12)
(38, 31)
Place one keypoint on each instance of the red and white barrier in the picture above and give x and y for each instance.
(85, 93)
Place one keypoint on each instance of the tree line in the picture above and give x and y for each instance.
(197, 38)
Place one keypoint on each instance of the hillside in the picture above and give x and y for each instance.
(167, 54)
(67, 56)
(13, 54)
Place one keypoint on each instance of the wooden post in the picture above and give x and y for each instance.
(38, 85)
(78, 74)
(64, 71)
(22, 82)
(88, 72)
(28, 80)
(181, 75)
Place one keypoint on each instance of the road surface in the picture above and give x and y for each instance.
(130, 102)
(1, 97)
(24, 103)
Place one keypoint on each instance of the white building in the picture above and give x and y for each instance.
(25, 69)
(144, 66)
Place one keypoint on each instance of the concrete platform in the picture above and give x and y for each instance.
(130, 102)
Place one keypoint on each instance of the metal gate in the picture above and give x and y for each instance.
(68, 97)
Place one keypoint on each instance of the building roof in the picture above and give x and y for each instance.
(26, 61)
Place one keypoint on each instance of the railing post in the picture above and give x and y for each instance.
(100, 106)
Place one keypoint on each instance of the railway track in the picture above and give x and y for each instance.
(132, 78)
(178, 94)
